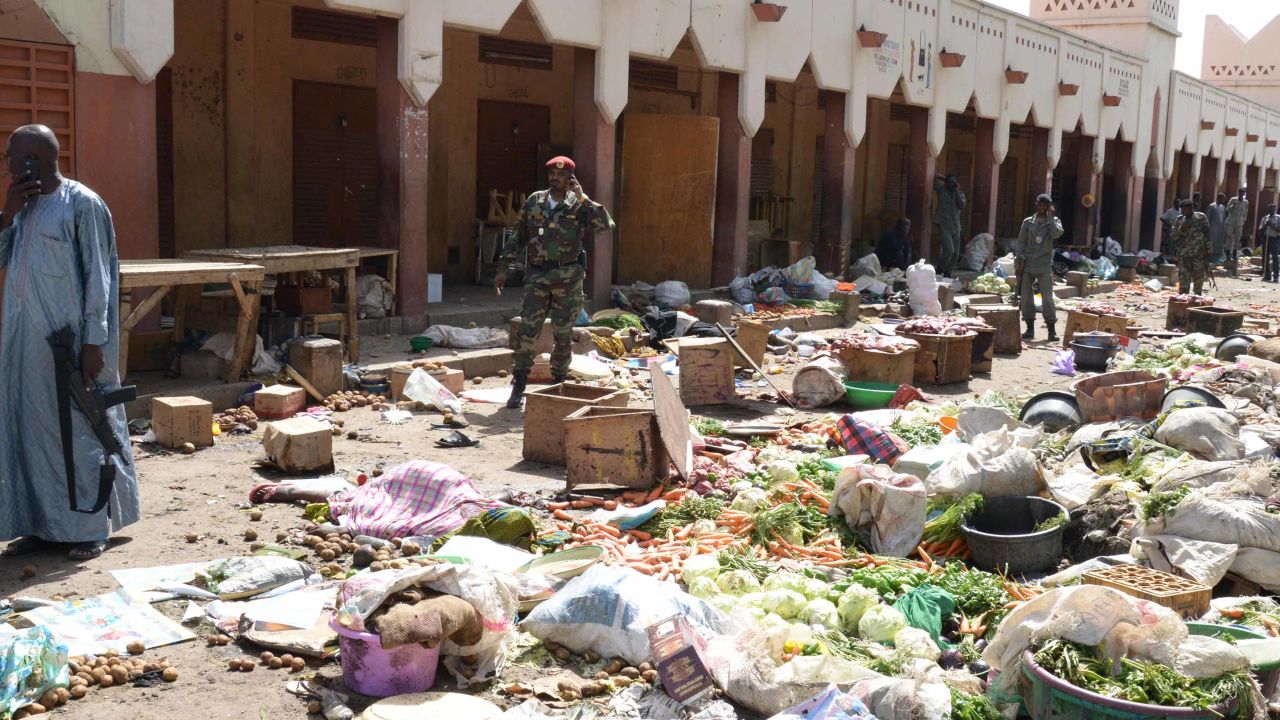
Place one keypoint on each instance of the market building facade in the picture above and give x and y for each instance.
(723, 136)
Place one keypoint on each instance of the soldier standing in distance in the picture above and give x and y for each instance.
(551, 229)
(1033, 255)
(1191, 242)
(1237, 213)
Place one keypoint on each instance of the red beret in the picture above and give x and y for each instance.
(560, 161)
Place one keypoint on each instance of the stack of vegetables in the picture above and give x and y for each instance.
(942, 325)
(990, 283)
(868, 341)
(1098, 308)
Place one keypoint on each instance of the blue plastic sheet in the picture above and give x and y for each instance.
(33, 663)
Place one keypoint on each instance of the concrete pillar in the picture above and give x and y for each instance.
(1041, 178)
(986, 179)
(1254, 193)
(835, 233)
(921, 167)
(1084, 228)
(1151, 230)
(241, 126)
(402, 178)
(594, 145)
(733, 187)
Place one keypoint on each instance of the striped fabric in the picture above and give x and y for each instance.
(418, 498)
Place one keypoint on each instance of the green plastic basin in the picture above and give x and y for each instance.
(869, 395)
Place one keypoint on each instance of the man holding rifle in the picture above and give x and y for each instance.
(1033, 254)
(61, 300)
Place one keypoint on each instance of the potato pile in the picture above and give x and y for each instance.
(268, 660)
(332, 547)
(242, 415)
(616, 674)
(349, 399)
(429, 365)
(104, 671)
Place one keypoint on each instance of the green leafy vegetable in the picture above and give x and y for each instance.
(708, 427)
(945, 528)
(1056, 521)
(734, 559)
(621, 321)
(972, 707)
(690, 510)
(919, 432)
(975, 591)
(1160, 504)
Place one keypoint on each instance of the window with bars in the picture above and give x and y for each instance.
(334, 27)
(37, 85)
(649, 75)
(895, 179)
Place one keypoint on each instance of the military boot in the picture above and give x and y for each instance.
(1053, 332)
(1031, 330)
(559, 379)
(518, 383)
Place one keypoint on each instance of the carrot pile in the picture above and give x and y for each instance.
(954, 549)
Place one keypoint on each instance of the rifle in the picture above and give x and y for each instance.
(94, 404)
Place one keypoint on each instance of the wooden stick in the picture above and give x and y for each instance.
(297, 377)
(146, 306)
(786, 398)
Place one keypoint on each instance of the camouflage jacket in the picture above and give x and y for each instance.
(554, 239)
(1191, 235)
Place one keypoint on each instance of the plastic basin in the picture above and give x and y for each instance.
(371, 670)
(1268, 674)
(1127, 260)
(1052, 697)
(1003, 538)
(1054, 409)
(420, 343)
(1091, 357)
(869, 395)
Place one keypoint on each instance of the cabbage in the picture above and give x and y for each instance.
(881, 623)
(785, 580)
(707, 566)
(821, 612)
(782, 471)
(741, 485)
(752, 599)
(724, 603)
(785, 603)
(703, 526)
(703, 587)
(737, 582)
(916, 643)
(853, 603)
(815, 589)
(750, 500)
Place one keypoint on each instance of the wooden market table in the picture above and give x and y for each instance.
(293, 259)
(392, 257)
(164, 275)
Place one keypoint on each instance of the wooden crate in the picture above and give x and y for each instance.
(1188, 598)
(983, 348)
(1083, 322)
(753, 338)
(546, 409)
(613, 446)
(1175, 314)
(1215, 321)
(894, 368)
(942, 359)
(1005, 319)
(706, 371)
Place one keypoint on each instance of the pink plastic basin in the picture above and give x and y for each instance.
(372, 671)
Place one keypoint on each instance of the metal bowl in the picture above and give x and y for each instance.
(1093, 358)
(1233, 346)
(1183, 393)
(1055, 410)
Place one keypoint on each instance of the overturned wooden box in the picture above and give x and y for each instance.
(613, 446)
(545, 412)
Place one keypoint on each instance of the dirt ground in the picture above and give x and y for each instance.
(207, 493)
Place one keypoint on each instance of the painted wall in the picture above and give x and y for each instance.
(24, 20)
(1249, 66)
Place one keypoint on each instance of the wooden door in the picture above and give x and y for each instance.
(335, 165)
(508, 141)
(668, 198)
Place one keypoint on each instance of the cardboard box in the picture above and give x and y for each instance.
(279, 402)
(678, 656)
(299, 445)
(179, 420)
(150, 350)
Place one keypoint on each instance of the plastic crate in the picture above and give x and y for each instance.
(1188, 598)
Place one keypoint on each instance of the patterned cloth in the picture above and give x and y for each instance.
(418, 498)
(862, 438)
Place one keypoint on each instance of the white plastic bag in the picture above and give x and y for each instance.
(820, 383)
(608, 610)
(241, 577)
(801, 272)
(671, 294)
(823, 286)
(868, 264)
(1204, 562)
(427, 390)
(1206, 432)
(892, 698)
(1230, 521)
(978, 252)
(887, 507)
(223, 345)
(996, 464)
(470, 338)
(1258, 566)
(923, 284)
(741, 291)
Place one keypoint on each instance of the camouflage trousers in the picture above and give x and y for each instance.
(557, 296)
(1192, 272)
(948, 248)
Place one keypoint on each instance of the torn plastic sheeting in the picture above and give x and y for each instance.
(831, 704)
(1202, 561)
(30, 657)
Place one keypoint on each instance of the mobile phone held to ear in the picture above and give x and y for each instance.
(30, 169)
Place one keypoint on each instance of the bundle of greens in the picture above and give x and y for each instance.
(976, 592)
(1142, 682)
(1160, 504)
(972, 707)
(916, 433)
(621, 321)
(945, 527)
(790, 521)
(708, 427)
(688, 511)
(734, 559)
(1048, 524)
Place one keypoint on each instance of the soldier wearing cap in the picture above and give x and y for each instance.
(1034, 255)
(1191, 243)
(1237, 213)
(551, 230)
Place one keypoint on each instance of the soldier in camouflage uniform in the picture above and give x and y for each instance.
(551, 228)
(1191, 243)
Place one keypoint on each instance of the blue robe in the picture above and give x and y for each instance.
(60, 257)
